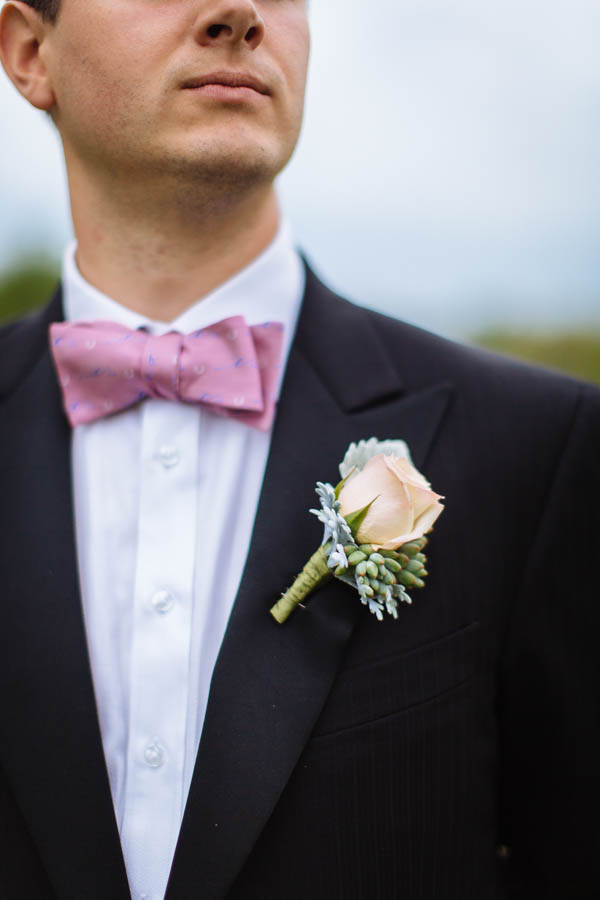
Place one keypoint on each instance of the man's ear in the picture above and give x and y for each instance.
(22, 33)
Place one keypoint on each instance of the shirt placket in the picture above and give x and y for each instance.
(162, 618)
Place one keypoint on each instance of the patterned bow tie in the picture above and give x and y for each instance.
(229, 368)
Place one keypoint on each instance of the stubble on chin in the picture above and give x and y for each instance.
(214, 183)
(220, 167)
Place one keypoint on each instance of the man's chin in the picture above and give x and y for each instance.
(241, 166)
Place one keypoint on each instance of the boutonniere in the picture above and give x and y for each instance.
(375, 522)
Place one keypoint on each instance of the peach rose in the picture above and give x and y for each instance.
(404, 507)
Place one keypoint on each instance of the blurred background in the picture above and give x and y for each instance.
(447, 173)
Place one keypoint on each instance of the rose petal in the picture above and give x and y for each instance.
(390, 512)
(403, 506)
(425, 521)
(422, 498)
(404, 469)
(363, 486)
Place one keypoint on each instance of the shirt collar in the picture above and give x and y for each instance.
(270, 288)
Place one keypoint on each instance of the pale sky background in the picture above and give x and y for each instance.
(447, 171)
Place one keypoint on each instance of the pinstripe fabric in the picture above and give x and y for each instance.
(451, 755)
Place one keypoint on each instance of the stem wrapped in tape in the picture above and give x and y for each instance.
(313, 575)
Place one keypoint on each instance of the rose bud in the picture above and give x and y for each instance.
(403, 506)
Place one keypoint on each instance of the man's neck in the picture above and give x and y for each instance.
(159, 265)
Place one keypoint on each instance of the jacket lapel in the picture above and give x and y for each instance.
(271, 681)
(50, 746)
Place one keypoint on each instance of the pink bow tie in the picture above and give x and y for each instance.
(228, 367)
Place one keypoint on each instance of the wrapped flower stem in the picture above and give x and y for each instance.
(315, 573)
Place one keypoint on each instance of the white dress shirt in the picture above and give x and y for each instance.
(165, 500)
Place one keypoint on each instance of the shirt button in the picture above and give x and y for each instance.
(154, 755)
(169, 456)
(163, 602)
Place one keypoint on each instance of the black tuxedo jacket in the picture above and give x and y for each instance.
(450, 755)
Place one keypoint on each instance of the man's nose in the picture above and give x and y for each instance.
(230, 22)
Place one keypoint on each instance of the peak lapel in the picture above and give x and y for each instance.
(50, 746)
(271, 681)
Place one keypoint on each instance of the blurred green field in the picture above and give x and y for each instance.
(575, 352)
(30, 281)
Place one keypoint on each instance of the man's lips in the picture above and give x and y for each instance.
(227, 80)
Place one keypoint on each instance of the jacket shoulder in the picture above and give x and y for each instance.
(23, 341)
(491, 393)
(480, 376)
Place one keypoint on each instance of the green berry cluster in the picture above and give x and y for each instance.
(383, 576)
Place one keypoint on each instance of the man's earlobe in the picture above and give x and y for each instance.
(22, 32)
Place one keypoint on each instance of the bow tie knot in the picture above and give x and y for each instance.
(228, 367)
